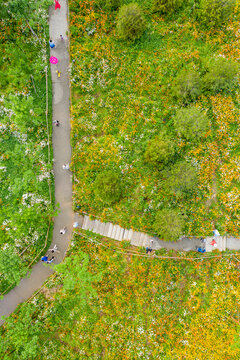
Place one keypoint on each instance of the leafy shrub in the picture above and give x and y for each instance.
(181, 179)
(221, 75)
(168, 224)
(213, 13)
(166, 6)
(187, 86)
(159, 150)
(190, 122)
(130, 22)
(108, 4)
(107, 187)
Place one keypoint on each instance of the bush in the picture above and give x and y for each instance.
(168, 224)
(213, 13)
(108, 4)
(159, 150)
(190, 122)
(107, 187)
(181, 179)
(130, 22)
(221, 75)
(187, 86)
(166, 6)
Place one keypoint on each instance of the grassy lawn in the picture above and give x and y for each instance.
(123, 96)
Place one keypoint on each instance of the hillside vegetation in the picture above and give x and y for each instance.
(112, 302)
(155, 104)
(25, 168)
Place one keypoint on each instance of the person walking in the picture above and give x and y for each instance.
(51, 43)
(61, 37)
(63, 231)
(66, 166)
(44, 258)
(58, 73)
(51, 260)
(148, 250)
(56, 122)
(54, 249)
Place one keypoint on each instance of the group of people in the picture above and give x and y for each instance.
(46, 258)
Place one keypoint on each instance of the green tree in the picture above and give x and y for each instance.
(107, 187)
(130, 22)
(181, 179)
(187, 86)
(21, 337)
(168, 224)
(108, 4)
(222, 74)
(159, 151)
(11, 266)
(190, 123)
(166, 6)
(214, 13)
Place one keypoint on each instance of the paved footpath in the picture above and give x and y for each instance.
(62, 154)
(138, 238)
(63, 180)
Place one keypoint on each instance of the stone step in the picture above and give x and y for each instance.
(109, 234)
(121, 234)
(135, 238)
(96, 226)
(106, 230)
(125, 234)
(117, 235)
(141, 236)
(90, 224)
(102, 228)
(85, 222)
(146, 241)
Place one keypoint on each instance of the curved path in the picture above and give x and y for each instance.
(63, 180)
(62, 154)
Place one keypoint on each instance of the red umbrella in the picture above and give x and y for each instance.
(53, 60)
(213, 243)
(57, 5)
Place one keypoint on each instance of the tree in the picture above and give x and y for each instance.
(107, 187)
(130, 22)
(221, 75)
(159, 151)
(187, 86)
(214, 13)
(11, 266)
(108, 4)
(181, 179)
(190, 123)
(168, 224)
(166, 6)
(21, 337)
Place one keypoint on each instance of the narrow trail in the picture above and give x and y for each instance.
(58, 25)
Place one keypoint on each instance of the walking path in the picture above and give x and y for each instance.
(62, 154)
(137, 238)
(63, 181)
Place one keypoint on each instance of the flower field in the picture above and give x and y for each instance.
(111, 302)
(123, 96)
(25, 131)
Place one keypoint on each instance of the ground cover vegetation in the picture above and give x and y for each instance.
(157, 106)
(111, 301)
(25, 168)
